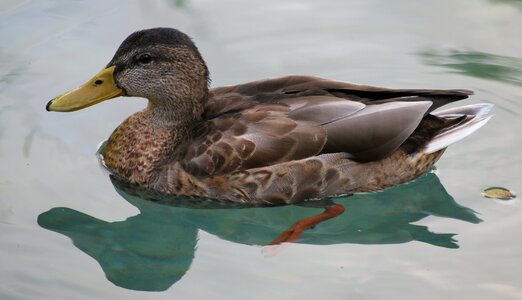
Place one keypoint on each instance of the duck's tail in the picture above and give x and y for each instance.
(471, 118)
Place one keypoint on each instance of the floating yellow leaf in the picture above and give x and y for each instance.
(498, 193)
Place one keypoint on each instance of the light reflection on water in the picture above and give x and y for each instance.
(50, 176)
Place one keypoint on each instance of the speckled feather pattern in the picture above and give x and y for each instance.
(138, 148)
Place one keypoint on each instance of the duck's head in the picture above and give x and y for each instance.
(160, 64)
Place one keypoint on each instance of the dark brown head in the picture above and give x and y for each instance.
(160, 64)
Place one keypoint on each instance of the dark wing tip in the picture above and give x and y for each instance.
(463, 92)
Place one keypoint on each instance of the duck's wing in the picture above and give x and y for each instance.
(258, 136)
(266, 122)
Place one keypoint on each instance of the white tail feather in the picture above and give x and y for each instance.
(478, 110)
(455, 134)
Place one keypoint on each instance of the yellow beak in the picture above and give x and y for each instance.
(101, 87)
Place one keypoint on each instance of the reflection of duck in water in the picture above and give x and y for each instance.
(154, 249)
(275, 141)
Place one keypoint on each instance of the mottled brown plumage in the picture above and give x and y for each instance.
(274, 141)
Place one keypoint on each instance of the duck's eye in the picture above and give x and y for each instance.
(145, 58)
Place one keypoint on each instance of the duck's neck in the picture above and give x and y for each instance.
(174, 112)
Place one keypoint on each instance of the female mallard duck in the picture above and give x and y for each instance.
(273, 141)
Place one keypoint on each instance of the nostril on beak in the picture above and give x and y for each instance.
(98, 82)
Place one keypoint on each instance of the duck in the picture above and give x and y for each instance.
(274, 141)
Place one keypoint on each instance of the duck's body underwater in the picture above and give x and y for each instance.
(273, 141)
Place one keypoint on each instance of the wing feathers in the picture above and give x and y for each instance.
(322, 109)
(375, 131)
(258, 136)
(276, 120)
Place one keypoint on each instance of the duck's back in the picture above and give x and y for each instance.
(270, 121)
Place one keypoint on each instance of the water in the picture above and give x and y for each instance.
(69, 233)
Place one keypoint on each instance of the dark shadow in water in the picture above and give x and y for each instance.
(478, 64)
(154, 249)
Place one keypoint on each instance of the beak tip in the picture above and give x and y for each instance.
(47, 107)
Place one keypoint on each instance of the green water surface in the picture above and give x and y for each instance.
(69, 231)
